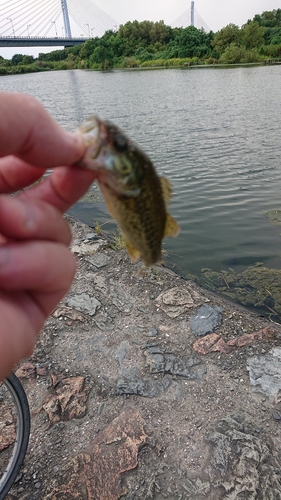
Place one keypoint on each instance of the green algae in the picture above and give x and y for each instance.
(256, 287)
(274, 217)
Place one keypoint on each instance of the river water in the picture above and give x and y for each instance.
(214, 132)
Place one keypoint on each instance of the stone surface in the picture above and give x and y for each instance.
(162, 362)
(7, 427)
(176, 302)
(206, 320)
(84, 303)
(242, 465)
(265, 371)
(95, 474)
(214, 342)
(64, 312)
(87, 248)
(136, 354)
(131, 382)
(68, 400)
(98, 260)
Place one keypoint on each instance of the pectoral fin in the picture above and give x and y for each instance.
(171, 228)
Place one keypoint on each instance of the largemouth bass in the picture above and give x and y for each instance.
(135, 195)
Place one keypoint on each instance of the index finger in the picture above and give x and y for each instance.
(30, 133)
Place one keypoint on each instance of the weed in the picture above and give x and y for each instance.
(98, 228)
(118, 241)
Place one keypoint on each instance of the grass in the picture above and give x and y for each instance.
(98, 228)
(118, 241)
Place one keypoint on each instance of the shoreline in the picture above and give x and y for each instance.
(38, 69)
(136, 390)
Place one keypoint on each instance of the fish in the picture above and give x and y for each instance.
(135, 195)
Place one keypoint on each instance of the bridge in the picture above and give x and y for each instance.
(190, 17)
(40, 42)
(26, 23)
(47, 23)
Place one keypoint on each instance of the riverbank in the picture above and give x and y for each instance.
(148, 387)
(146, 65)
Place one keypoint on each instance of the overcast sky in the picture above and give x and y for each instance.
(215, 13)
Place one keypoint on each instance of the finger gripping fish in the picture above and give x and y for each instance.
(135, 195)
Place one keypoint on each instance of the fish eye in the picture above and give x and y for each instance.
(120, 143)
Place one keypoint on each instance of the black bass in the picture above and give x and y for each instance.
(135, 195)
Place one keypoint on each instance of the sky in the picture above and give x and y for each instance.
(215, 13)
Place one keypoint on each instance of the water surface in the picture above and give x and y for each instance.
(215, 133)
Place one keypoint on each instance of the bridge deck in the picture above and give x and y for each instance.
(21, 41)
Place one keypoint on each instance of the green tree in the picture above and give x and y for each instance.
(88, 48)
(269, 19)
(233, 54)
(190, 42)
(27, 60)
(253, 35)
(55, 55)
(16, 59)
(103, 55)
(223, 38)
(272, 36)
(160, 33)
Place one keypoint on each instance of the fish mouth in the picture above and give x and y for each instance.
(102, 154)
(94, 139)
(95, 135)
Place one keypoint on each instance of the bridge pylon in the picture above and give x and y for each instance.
(66, 22)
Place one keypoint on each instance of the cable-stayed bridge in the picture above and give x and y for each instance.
(53, 22)
(190, 17)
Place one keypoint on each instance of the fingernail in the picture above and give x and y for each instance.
(25, 211)
(77, 142)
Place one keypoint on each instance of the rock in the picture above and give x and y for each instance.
(96, 473)
(263, 334)
(92, 236)
(67, 312)
(122, 351)
(206, 320)
(130, 382)
(68, 401)
(276, 415)
(104, 322)
(7, 427)
(161, 362)
(177, 301)
(42, 371)
(211, 343)
(120, 298)
(87, 248)
(151, 332)
(214, 342)
(84, 303)
(98, 260)
(242, 465)
(26, 370)
(265, 371)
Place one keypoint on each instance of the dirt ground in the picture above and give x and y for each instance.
(136, 392)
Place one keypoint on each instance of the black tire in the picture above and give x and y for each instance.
(16, 391)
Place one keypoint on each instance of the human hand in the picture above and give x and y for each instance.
(36, 266)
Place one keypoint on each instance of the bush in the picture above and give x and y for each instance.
(233, 54)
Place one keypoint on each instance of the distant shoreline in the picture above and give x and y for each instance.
(38, 69)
